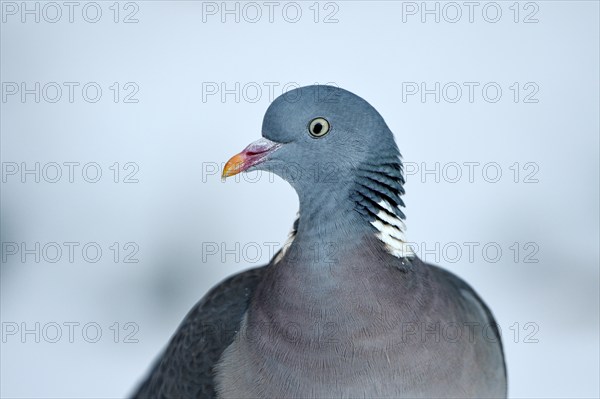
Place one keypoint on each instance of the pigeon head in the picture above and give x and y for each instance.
(325, 127)
(335, 149)
(316, 135)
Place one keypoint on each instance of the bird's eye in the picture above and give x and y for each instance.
(318, 127)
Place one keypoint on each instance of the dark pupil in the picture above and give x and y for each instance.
(317, 128)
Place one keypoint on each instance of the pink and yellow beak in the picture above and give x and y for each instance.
(252, 155)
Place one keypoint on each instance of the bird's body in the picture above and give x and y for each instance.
(346, 340)
(351, 349)
(345, 310)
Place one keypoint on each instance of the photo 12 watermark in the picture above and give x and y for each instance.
(472, 172)
(477, 252)
(70, 172)
(254, 252)
(254, 92)
(52, 332)
(489, 92)
(470, 12)
(69, 252)
(252, 12)
(70, 12)
(69, 92)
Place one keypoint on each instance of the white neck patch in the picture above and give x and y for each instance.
(279, 255)
(391, 229)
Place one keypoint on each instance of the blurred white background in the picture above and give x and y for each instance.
(186, 99)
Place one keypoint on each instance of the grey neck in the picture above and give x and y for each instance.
(362, 205)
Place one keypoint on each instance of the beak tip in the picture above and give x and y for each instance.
(234, 166)
(225, 175)
(229, 170)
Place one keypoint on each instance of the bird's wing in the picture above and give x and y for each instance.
(185, 369)
(468, 294)
(461, 286)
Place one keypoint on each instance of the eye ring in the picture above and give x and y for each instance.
(319, 127)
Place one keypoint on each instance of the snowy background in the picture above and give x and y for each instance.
(116, 119)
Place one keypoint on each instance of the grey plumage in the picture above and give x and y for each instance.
(345, 309)
(185, 370)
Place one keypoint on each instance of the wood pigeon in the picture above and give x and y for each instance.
(345, 309)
